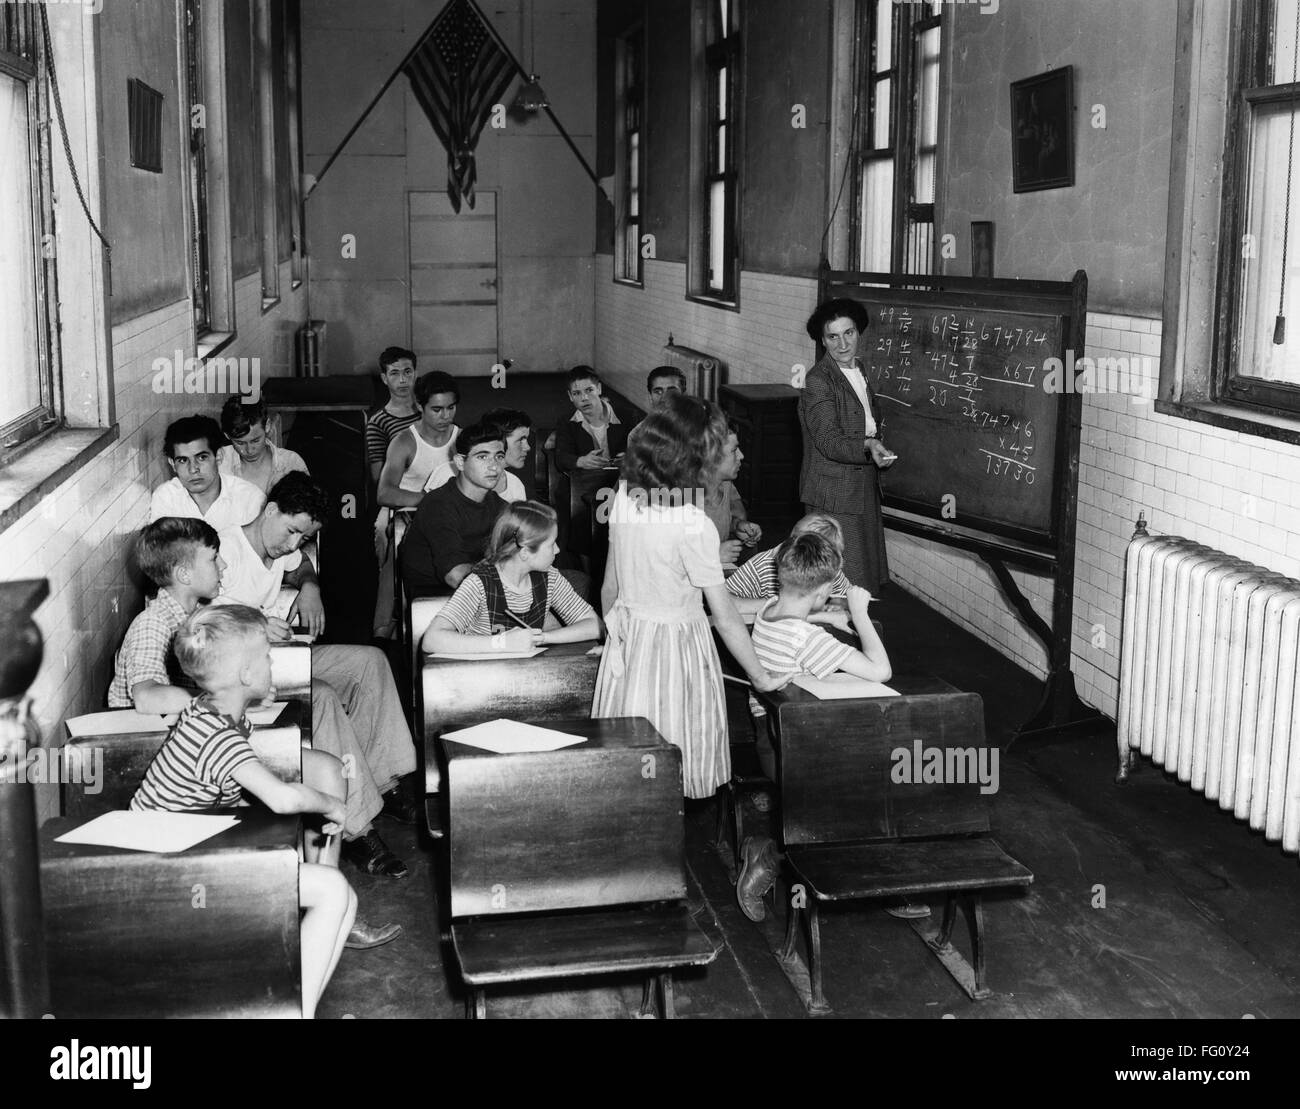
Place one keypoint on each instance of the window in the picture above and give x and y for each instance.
(293, 109)
(198, 166)
(715, 262)
(897, 135)
(29, 403)
(1260, 282)
(630, 174)
(263, 59)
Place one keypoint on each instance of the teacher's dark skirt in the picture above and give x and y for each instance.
(865, 561)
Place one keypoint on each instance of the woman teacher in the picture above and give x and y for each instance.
(842, 451)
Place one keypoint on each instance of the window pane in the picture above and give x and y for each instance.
(19, 338)
(717, 235)
(924, 190)
(877, 215)
(880, 116)
(720, 157)
(884, 34)
(1266, 215)
(927, 121)
(722, 93)
(631, 252)
(1284, 36)
(633, 159)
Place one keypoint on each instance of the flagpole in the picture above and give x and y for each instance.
(371, 106)
(526, 76)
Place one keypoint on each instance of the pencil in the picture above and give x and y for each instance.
(517, 620)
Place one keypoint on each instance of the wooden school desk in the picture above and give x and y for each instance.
(570, 863)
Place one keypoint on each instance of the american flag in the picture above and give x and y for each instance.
(457, 75)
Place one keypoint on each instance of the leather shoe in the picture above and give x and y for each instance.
(371, 854)
(365, 935)
(399, 805)
(757, 875)
(908, 910)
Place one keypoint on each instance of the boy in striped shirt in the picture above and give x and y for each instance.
(207, 762)
(787, 642)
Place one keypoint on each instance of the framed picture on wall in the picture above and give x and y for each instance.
(1042, 131)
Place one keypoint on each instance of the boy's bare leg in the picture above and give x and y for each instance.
(325, 773)
(329, 908)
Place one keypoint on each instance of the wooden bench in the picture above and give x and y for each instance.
(747, 775)
(212, 931)
(453, 693)
(854, 829)
(570, 863)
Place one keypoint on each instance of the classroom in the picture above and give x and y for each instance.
(714, 509)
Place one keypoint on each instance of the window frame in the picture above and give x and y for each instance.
(30, 426)
(1249, 65)
(633, 38)
(908, 23)
(713, 54)
(264, 80)
(1203, 197)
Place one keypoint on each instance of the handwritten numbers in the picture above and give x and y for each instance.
(1099, 117)
(349, 246)
(799, 117)
(1098, 896)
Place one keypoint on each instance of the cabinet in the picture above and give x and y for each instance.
(767, 422)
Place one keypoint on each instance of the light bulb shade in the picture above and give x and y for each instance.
(531, 97)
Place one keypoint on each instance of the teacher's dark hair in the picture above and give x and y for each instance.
(834, 309)
(678, 446)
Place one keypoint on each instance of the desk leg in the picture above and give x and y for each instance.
(818, 1004)
(949, 919)
(476, 1005)
(791, 931)
(647, 1010)
(973, 903)
(666, 996)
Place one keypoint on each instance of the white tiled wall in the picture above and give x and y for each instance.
(1237, 493)
(79, 536)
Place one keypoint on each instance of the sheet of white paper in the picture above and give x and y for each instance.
(164, 832)
(478, 656)
(842, 686)
(262, 715)
(509, 737)
(118, 722)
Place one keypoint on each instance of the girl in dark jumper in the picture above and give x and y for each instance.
(514, 600)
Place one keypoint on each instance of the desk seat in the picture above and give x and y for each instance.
(493, 951)
(846, 873)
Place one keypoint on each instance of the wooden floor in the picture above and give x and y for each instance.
(1148, 901)
(1198, 916)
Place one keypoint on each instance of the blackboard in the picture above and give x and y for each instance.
(960, 386)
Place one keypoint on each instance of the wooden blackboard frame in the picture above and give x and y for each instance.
(1051, 552)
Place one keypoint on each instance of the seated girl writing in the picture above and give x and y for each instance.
(504, 602)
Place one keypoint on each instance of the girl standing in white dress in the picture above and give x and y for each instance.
(660, 661)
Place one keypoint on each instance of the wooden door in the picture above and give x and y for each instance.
(453, 283)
